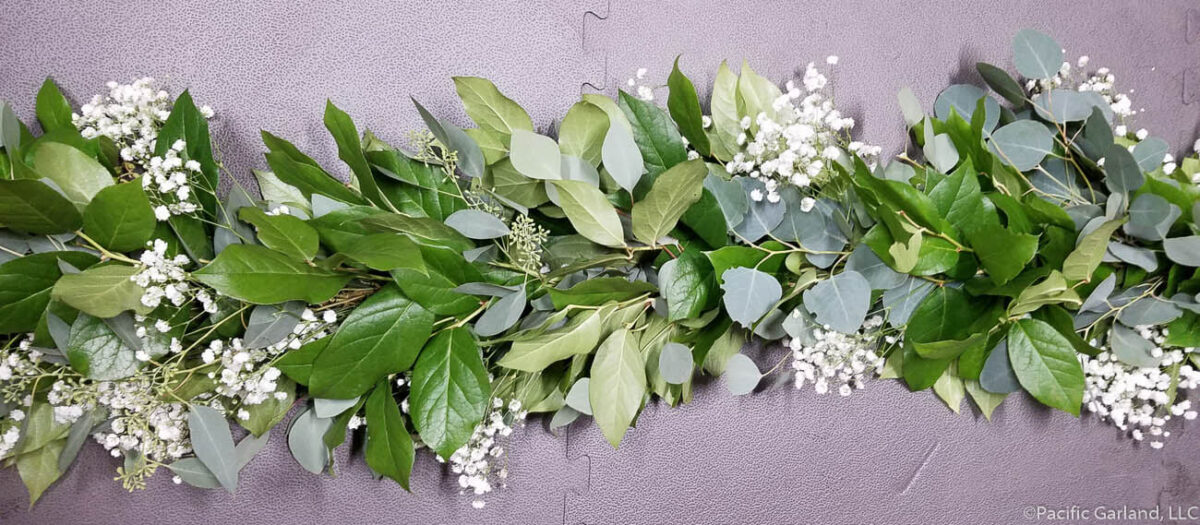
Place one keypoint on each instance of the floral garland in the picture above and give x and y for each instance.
(480, 275)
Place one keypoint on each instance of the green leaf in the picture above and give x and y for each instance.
(213, 444)
(1036, 55)
(755, 95)
(950, 388)
(103, 291)
(120, 218)
(1001, 252)
(258, 275)
(31, 206)
(338, 228)
(308, 178)
(1045, 364)
(1052, 290)
(490, 109)
(950, 348)
(423, 230)
(25, 287)
(283, 233)
(276, 191)
(187, 123)
(1022, 144)
(385, 252)
(1001, 83)
(350, 151)
(688, 285)
(673, 192)
(53, 110)
(509, 183)
(389, 450)
(414, 187)
(986, 401)
(724, 108)
(749, 294)
(655, 134)
(78, 175)
(533, 354)
(298, 363)
(434, 286)
(99, 353)
(590, 212)
(582, 132)
(618, 383)
(450, 390)
(595, 292)
(39, 469)
(1090, 251)
(684, 106)
(380, 337)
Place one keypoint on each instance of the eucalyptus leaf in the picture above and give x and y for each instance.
(841, 301)
(741, 375)
(1131, 348)
(213, 445)
(997, 375)
(1036, 55)
(1022, 144)
(675, 363)
(1183, 250)
(502, 314)
(749, 294)
(477, 224)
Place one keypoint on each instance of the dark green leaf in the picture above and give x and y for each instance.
(31, 206)
(283, 233)
(258, 275)
(1045, 364)
(389, 450)
(53, 110)
(450, 390)
(688, 284)
(655, 134)
(684, 106)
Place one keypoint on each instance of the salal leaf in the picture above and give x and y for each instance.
(39, 469)
(622, 158)
(385, 252)
(489, 108)
(259, 275)
(684, 106)
(724, 108)
(97, 352)
(535, 156)
(52, 108)
(655, 134)
(433, 286)
(79, 175)
(1022, 144)
(283, 233)
(618, 383)
(598, 291)
(590, 212)
(213, 444)
(1002, 252)
(749, 294)
(350, 150)
(26, 284)
(756, 95)
(389, 449)
(102, 291)
(582, 132)
(673, 192)
(450, 390)
(533, 354)
(841, 301)
(477, 224)
(31, 206)
(1045, 364)
(1036, 55)
(380, 337)
(1089, 252)
(688, 285)
(120, 218)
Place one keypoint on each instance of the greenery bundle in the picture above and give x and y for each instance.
(478, 275)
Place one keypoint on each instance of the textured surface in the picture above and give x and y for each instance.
(883, 455)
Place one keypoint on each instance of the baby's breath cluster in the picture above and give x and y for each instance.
(130, 115)
(476, 462)
(832, 359)
(800, 143)
(1137, 399)
(246, 375)
(168, 182)
(163, 277)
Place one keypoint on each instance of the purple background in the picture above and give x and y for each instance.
(883, 455)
